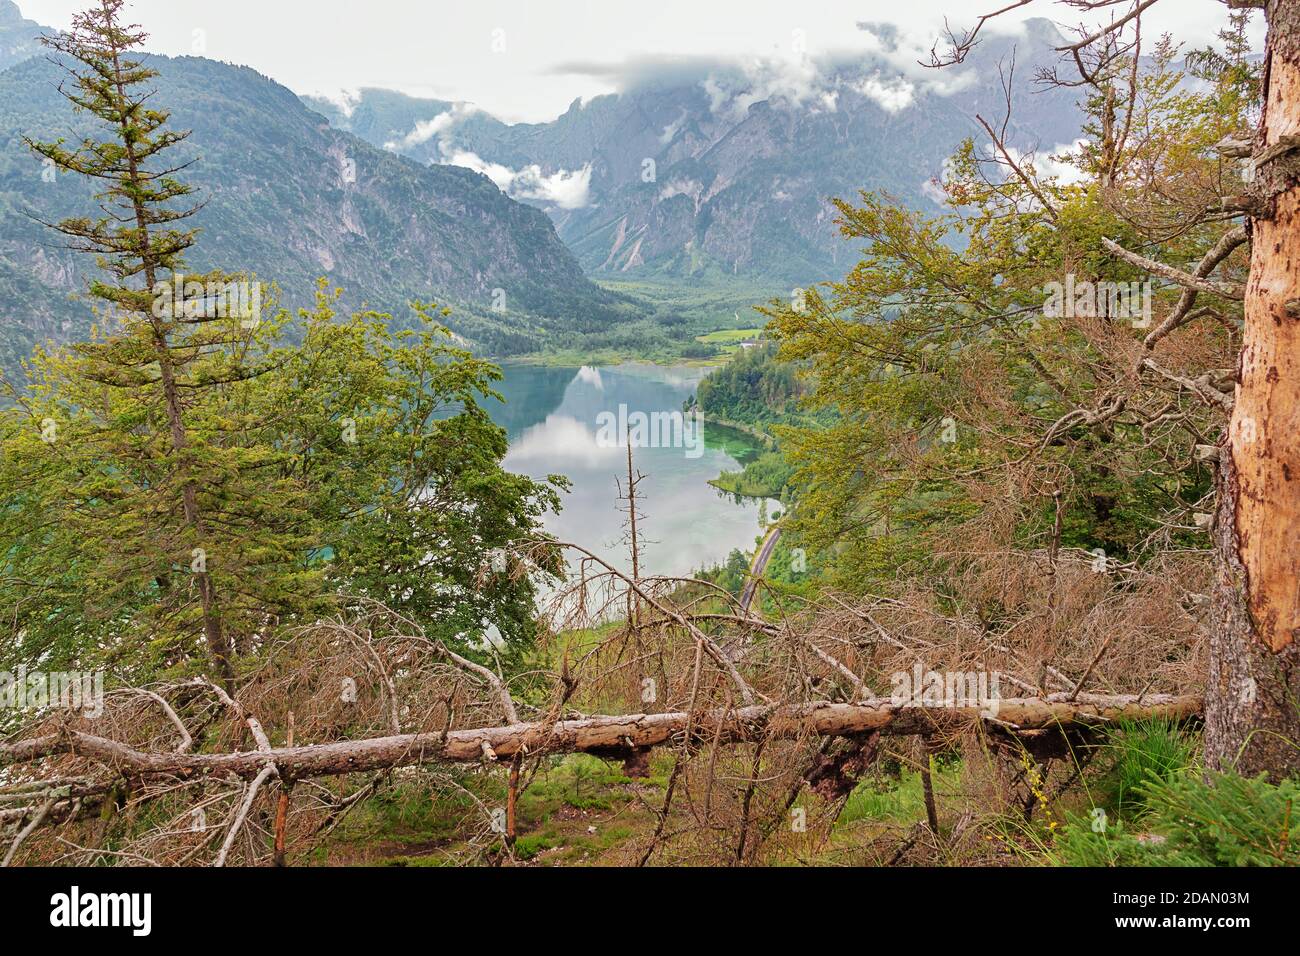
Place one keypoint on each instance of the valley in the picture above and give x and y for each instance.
(738, 447)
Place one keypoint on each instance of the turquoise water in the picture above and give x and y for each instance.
(553, 417)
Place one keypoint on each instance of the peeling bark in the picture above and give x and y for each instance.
(1253, 695)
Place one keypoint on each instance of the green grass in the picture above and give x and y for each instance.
(407, 824)
(884, 801)
(580, 781)
(406, 814)
(529, 845)
(729, 336)
(1142, 752)
(719, 300)
(728, 341)
(1155, 806)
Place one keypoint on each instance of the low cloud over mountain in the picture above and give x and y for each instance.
(705, 164)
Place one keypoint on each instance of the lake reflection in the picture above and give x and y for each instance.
(553, 419)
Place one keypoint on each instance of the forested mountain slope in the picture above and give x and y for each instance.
(291, 199)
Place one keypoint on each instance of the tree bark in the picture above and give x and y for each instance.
(1252, 707)
(610, 736)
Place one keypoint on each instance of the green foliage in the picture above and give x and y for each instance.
(1227, 820)
(765, 476)
(1232, 71)
(954, 386)
(731, 575)
(357, 461)
(141, 456)
(1142, 752)
(413, 504)
(198, 477)
(754, 388)
(899, 800)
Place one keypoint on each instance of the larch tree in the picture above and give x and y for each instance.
(1164, 203)
(1252, 690)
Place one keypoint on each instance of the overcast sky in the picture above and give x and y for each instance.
(528, 59)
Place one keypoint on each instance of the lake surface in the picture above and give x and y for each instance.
(567, 421)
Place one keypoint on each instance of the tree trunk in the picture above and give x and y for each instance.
(218, 643)
(611, 736)
(1252, 707)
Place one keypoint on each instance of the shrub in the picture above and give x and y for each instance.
(1222, 819)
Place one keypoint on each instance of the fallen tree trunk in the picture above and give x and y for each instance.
(609, 735)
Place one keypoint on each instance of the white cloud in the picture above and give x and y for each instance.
(671, 129)
(891, 95)
(932, 189)
(895, 84)
(679, 187)
(785, 82)
(948, 81)
(717, 95)
(426, 130)
(1048, 163)
(590, 376)
(565, 188)
(388, 44)
(345, 100)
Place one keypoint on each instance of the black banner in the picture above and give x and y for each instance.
(150, 907)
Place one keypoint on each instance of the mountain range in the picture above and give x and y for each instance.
(292, 199)
(18, 36)
(697, 176)
(701, 169)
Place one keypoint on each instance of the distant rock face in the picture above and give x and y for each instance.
(291, 199)
(18, 37)
(729, 172)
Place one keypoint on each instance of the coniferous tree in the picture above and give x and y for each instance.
(153, 353)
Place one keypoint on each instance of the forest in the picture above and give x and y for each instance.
(272, 595)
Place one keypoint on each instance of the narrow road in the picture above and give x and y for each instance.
(756, 569)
